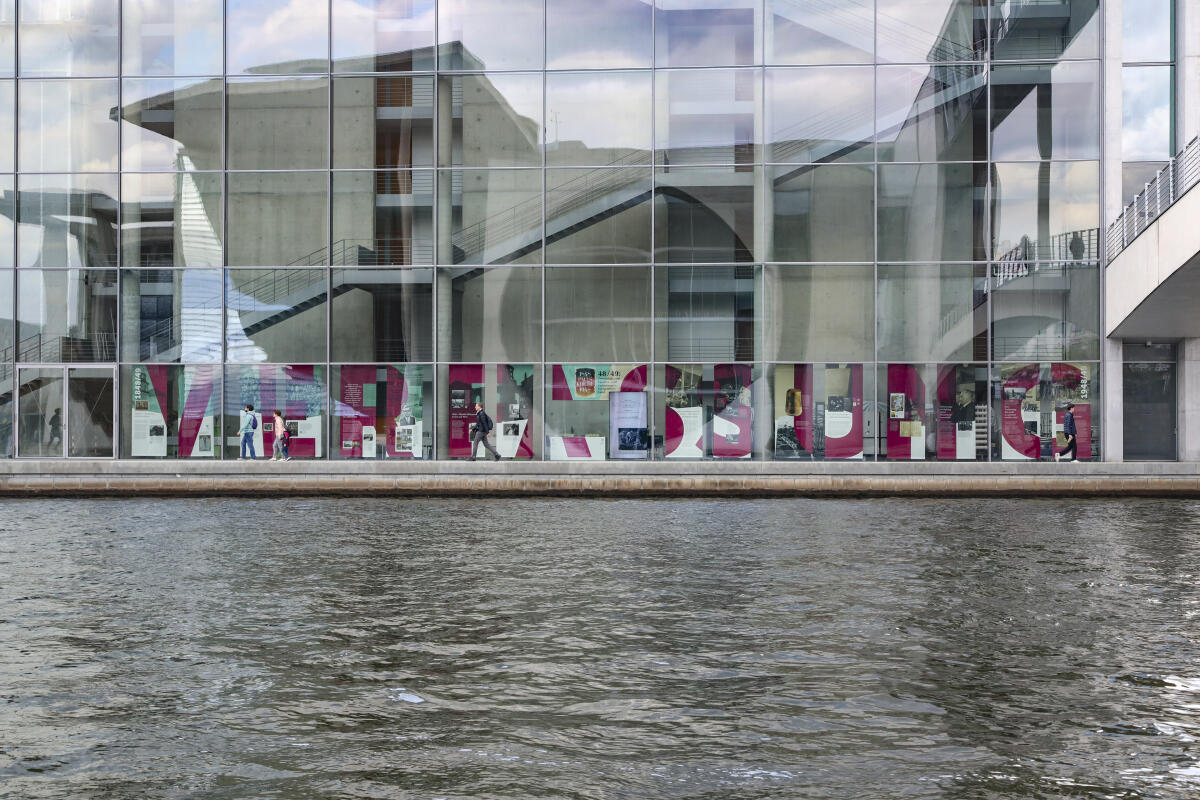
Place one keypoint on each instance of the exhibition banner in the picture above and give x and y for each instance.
(1020, 412)
(465, 389)
(794, 433)
(148, 421)
(356, 408)
(844, 411)
(906, 413)
(732, 411)
(296, 390)
(684, 412)
(196, 428)
(956, 413)
(629, 435)
(1073, 383)
(405, 412)
(595, 381)
(514, 410)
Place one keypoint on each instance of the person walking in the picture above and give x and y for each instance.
(480, 432)
(279, 449)
(249, 425)
(56, 428)
(1072, 437)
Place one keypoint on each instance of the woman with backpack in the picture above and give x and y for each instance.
(280, 447)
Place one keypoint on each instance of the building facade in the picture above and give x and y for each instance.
(679, 229)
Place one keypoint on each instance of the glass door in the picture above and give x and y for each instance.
(40, 412)
(66, 411)
(90, 400)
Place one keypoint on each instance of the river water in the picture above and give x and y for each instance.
(378, 648)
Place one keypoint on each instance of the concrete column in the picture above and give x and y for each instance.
(1188, 375)
(443, 289)
(1187, 71)
(1112, 402)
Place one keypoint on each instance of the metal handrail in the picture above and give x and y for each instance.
(1169, 184)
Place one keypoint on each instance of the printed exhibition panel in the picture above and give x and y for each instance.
(708, 411)
(818, 411)
(961, 412)
(380, 411)
(1033, 400)
(906, 413)
(598, 411)
(297, 390)
(172, 410)
(512, 390)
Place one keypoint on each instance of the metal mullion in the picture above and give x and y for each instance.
(435, 190)
(329, 230)
(652, 366)
(541, 390)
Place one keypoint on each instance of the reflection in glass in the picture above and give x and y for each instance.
(604, 34)
(275, 315)
(820, 114)
(498, 121)
(708, 411)
(495, 314)
(40, 413)
(170, 411)
(298, 391)
(8, 222)
(277, 123)
(819, 312)
(382, 411)
(932, 113)
(382, 315)
(90, 405)
(1045, 111)
(278, 218)
(382, 218)
(597, 412)
(703, 33)
(8, 47)
(1034, 29)
(705, 312)
(66, 315)
(171, 124)
(598, 118)
(277, 37)
(822, 213)
(171, 37)
(820, 32)
(7, 412)
(933, 411)
(496, 216)
(932, 312)
(931, 30)
(1045, 211)
(68, 39)
(598, 216)
(1146, 28)
(705, 214)
(7, 286)
(384, 122)
(507, 392)
(171, 220)
(382, 35)
(1028, 409)
(1045, 310)
(67, 126)
(171, 315)
(706, 116)
(484, 34)
(8, 115)
(67, 221)
(818, 412)
(1135, 175)
(1147, 113)
(932, 212)
(598, 314)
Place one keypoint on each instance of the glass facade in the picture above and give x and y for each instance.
(632, 229)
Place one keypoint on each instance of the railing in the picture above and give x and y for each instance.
(1081, 245)
(1169, 184)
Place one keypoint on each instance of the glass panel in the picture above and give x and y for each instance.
(90, 403)
(495, 314)
(932, 113)
(932, 212)
(171, 220)
(822, 213)
(278, 218)
(380, 411)
(280, 37)
(1147, 113)
(1148, 411)
(598, 216)
(933, 412)
(1046, 111)
(598, 313)
(7, 329)
(8, 115)
(298, 391)
(1029, 409)
(819, 313)
(703, 33)
(931, 30)
(69, 39)
(1044, 311)
(496, 216)
(1146, 28)
(41, 415)
(275, 315)
(67, 221)
(67, 126)
(706, 116)
(171, 124)
(1045, 211)
(170, 411)
(606, 34)
(820, 32)
(819, 412)
(932, 312)
(382, 35)
(484, 34)
(382, 218)
(705, 313)
(498, 121)
(277, 123)
(506, 393)
(171, 315)
(597, 412)
(8, 39)
(171, 37)
(1135, 176)
(382, 315)
(67, 315)
(707, 411)
(7, 420)
(383, 122)
(8, 221)
(1029, 29)
(705, 214)
(820, 114)
(598, 118)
